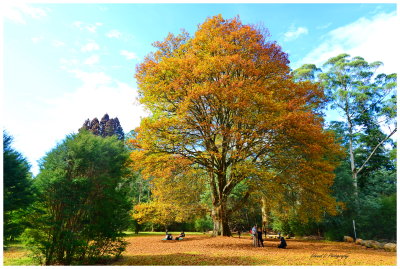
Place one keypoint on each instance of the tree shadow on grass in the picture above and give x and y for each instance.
(185, 259)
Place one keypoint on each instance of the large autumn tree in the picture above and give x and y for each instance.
(224, 101)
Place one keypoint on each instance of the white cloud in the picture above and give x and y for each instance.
(373, 39)
(77, 24)
(85, 26)
(17, 11)
(69, 61)
(98, 94)
(91, 46)
(128, 55)
(293, 33)
(94, 59)
(324, 26)
(114, 34)
(57, 43)
(92, 80)
(36, 39)
(91, 28)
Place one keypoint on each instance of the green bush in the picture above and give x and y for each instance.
(82, 207)
(18, 192)
(203, 224)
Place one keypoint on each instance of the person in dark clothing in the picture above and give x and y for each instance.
(283, 243)
(168, 236)
(260, 239)
(181, 235)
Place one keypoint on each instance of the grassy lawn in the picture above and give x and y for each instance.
(147, 248)
(17, 254)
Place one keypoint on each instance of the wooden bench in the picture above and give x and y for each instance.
(272, 236)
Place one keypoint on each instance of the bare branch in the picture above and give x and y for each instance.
(376, 147)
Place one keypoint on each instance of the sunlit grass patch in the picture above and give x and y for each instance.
(16, 254)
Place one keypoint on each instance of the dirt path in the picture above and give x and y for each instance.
(205, 250)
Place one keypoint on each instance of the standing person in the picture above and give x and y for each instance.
(239, 232)
(260, 240)
(265, 233)
(254, 234)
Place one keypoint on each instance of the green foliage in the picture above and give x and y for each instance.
(306, 72)
(18, 192)
(203, 224)
(378, 218)
(387, 217)
(367, 102)
(280, 223)
(82, 207)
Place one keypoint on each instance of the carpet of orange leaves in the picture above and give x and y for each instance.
(206, 250)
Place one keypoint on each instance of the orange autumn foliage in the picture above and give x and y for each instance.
(223, 101)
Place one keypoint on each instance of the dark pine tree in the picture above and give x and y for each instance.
(106, 127)
(109, 130)
(103, 124)
(118, 129)
(94, 126)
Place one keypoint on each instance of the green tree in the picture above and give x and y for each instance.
(17, 190)
(366, 100)
(83, 205)
(306, 72)
(377, 182)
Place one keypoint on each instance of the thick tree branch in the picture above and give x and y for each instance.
(372, 153)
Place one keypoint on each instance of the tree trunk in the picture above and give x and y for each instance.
(220, 219)
(264, 213)
(352, 161)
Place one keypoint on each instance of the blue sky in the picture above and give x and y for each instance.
(64, 63)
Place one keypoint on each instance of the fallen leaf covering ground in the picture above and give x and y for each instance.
(197, 249)
(206, 250)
